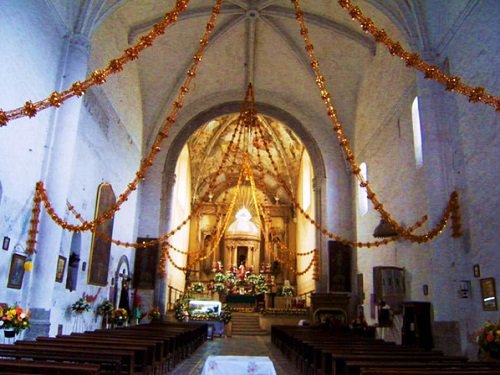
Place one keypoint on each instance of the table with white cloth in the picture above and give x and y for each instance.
(232, 365)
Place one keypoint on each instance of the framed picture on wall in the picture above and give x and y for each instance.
(488, 294)
(146, 260)
(16, 272)
(100, 250)
(61, 265)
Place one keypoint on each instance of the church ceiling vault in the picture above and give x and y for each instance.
(209, 144)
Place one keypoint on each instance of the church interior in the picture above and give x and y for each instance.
(301, 162)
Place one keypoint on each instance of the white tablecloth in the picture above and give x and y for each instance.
(237, 365)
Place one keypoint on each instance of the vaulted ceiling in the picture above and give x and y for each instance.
(254, 41)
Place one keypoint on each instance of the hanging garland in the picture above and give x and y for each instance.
(451, 210)
(155, 149)
(99, 76)
(413, 60)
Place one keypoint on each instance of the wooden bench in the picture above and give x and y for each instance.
(361, 367)
(143, 353)
(8, 366)
(110, 363)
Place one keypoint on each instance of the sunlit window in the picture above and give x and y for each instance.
(306, 181)
(182, 178)
(362, 196)
(417, 133)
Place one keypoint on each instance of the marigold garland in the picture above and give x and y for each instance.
(99, 76)
(413, 60)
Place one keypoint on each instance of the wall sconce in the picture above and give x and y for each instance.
(464, 288)
(425, 289)
(477, 270)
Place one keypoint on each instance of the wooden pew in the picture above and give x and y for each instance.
(363, 366)
(144, 353)
(110, 363)
(328, 351)
(430, 371)
(8, 366)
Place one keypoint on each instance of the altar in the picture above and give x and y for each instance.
(231, 365)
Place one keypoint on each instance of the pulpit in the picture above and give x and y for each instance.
(336, 305)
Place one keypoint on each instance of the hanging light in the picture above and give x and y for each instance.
(384, 229)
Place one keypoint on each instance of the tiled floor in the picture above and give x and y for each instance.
(236, 345)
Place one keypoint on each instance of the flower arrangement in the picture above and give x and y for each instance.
(14, 317)
(488, 338)
(197, 287)
(225, 315)
(181, 309)
(154, 313)
(219, 278)
(286, 291)
(80, 306)
(105, 308)
(119, 315)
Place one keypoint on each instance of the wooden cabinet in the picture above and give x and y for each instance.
(416, 331)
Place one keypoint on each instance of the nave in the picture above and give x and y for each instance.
(236, 345)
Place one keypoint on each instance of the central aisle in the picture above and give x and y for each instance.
(236, 345)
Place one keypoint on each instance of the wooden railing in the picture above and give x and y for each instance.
(306, 297)
(173, 295)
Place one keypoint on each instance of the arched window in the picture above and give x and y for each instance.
(182, 179)
(417, 133)
(362, 197)
(306, 181)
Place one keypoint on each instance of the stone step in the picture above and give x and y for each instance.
(247, 324)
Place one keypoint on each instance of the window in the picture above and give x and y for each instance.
(417, 133)
(306, 181)
(362, 196)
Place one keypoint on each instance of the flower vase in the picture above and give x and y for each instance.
(9, 333)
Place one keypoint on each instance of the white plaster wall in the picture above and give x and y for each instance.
(101, 156)
(471, 45)
(27, 72)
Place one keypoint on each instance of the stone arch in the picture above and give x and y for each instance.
(231, 107)
(122, 271)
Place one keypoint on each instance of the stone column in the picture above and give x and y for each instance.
(57, 178)
(442, 159)
(320, 215)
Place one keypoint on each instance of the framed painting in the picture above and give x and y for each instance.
(16, 272)
(146, 259)
(489, 294)
(339, 267)
(101, 242)
(61, 265)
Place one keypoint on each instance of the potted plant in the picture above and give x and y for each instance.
(154, 314)
(488, 339)
(225, 317)
(13, 319)
(119, 316)
(80, 306)
(105, 309)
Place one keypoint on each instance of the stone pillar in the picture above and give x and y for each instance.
(320, 215)
(57, 178)
(442, 159)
